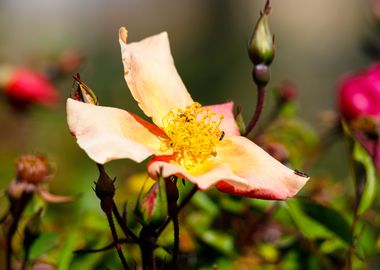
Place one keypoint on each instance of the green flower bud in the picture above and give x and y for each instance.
(84, 93)
(261, 47)
(152, 209)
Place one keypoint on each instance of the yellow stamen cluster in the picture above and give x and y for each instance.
(192, 133)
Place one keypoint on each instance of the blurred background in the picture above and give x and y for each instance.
(317, 42)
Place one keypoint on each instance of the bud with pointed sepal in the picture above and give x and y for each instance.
(83, 92)
(152, 209)
(261, 47)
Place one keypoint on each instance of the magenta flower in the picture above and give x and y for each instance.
(200, 144)
(359, 104)
(359, 94)
(24, 86)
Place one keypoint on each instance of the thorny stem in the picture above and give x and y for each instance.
(147, 246)
(116, 240)
(16, 214)
(105, 191)
(259, 108)
(174, 217)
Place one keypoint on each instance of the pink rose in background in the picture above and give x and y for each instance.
(24, 86)
(358, 97)
(359, 94)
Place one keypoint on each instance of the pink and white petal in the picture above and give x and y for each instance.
(106, 133)
(266, 177)
(151, 75)
(204, 175)
(52, 198)
(228, 124)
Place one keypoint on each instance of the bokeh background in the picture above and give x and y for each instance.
(317, 42)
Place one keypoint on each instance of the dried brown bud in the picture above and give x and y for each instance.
(32, 169)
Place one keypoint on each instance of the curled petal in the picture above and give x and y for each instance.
(205, 175)
(228, 124)
(106, 133)
(52, 198)
(151, 75)
(240, 168)
(266, 177)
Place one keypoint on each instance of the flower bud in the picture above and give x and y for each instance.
(32, 169)
(152, 209)
(105, 189)
(287, 92)
(24, 86)
(359, 94)
(83, 93)
(261, 47)
(70, 61)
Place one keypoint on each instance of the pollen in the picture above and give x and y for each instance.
(193, 134)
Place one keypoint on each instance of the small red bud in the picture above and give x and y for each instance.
(152, 208)
(287, 92)
(24, 86)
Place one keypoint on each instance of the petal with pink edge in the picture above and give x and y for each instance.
(204, 175)
(52, 198)
(228, 124)
(106, 133)
(266, 177)
(151, 75)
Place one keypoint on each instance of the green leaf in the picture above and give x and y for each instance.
(202, 201)
(232, 204)
(240, 121)
(219, 240)
(329, 218)
(363, 166)
(66, 254)
(44, 243)
(368, 195)
(310, 228)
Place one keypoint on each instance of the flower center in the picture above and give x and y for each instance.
(192, 133)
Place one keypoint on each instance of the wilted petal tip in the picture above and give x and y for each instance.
(123, 34)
